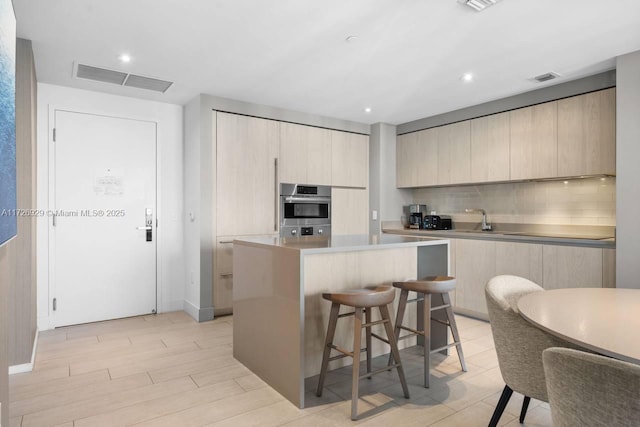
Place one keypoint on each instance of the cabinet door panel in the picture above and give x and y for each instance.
(587, 134)
(407, 168)
(350, 159)
(459, 137)
(519, 259)
(318, 162)
(443, 155)
(246, 149)
(349, 211)
(475, 265)
(490, 138)
(534, 141)
(571, 267)
(425, 157)
(292, 167)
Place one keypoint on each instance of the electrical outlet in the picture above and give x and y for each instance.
(374, 215)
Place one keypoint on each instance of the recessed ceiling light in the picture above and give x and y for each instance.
(351, 39)
(124, 58)
(367, 110)
(467, 77)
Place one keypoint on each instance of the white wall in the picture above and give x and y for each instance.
(170, 184)
(627, 155)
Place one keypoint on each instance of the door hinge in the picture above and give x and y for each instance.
(54, 134)
(53, 218)
(55, 304)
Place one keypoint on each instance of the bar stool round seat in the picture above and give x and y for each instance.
(367, 297)
(431, 285)
(362, 301)
(426, 288)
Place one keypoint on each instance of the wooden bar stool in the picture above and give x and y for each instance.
(425, 288)
(362, 300)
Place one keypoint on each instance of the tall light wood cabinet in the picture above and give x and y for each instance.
(349, 211)
(490, 148)
(305, 154)
(587, 134)
(349, 159)
(534, 141)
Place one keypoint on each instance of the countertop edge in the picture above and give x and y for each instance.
(452, 234)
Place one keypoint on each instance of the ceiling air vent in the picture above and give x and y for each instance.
(147, 83)
(120, 78)
(546, 77)
(100, 74)
(478, 5)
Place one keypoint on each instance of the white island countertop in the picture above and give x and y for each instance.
(343, 243)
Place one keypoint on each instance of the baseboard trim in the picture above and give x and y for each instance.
(199, 314)
(26, 367)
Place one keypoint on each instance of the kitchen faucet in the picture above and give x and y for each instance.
(485, 226)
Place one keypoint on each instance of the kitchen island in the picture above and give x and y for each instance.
(280, 317)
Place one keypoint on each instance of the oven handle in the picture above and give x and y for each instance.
(307, 199)
(275, 195)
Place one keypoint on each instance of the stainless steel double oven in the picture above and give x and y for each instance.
(305, 210)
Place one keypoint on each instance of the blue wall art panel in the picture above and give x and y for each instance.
(7, 121)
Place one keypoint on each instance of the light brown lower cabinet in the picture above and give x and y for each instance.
(572, 267)
(223, 279)
(474, 262)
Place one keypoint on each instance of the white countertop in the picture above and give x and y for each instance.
(343, 243)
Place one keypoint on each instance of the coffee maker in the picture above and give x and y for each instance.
(414, 215)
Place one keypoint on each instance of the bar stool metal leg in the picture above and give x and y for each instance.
(331, 330)
(357, 335)
(454, 330)
(402, 306)
(393, 342)
(426, 307)
(367, 313)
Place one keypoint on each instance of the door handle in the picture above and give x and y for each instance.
(148, 220)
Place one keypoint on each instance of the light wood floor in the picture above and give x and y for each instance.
(168, 370)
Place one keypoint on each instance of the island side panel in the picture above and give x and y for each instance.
(266, 319)
(435, 261)
(338, 271)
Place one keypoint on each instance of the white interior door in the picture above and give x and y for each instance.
(104, 196)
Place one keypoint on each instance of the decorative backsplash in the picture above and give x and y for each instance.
(588, 201)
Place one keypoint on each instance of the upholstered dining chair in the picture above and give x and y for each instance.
(519, 345)
(590, 390)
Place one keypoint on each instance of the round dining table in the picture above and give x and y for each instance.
(603, 320)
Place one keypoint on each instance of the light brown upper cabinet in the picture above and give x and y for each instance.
(246, 149)
(305, 154)
(454, 153)
(587, 134)
(490, 140)
(426, 157)
(350, 159)
(406, 166)
(534, 141)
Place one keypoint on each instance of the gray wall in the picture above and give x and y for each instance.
(22, 287)
(384, 196)
(547, 93)
(627, 156)
(200, 185)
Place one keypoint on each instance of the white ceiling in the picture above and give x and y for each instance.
(406, 63)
